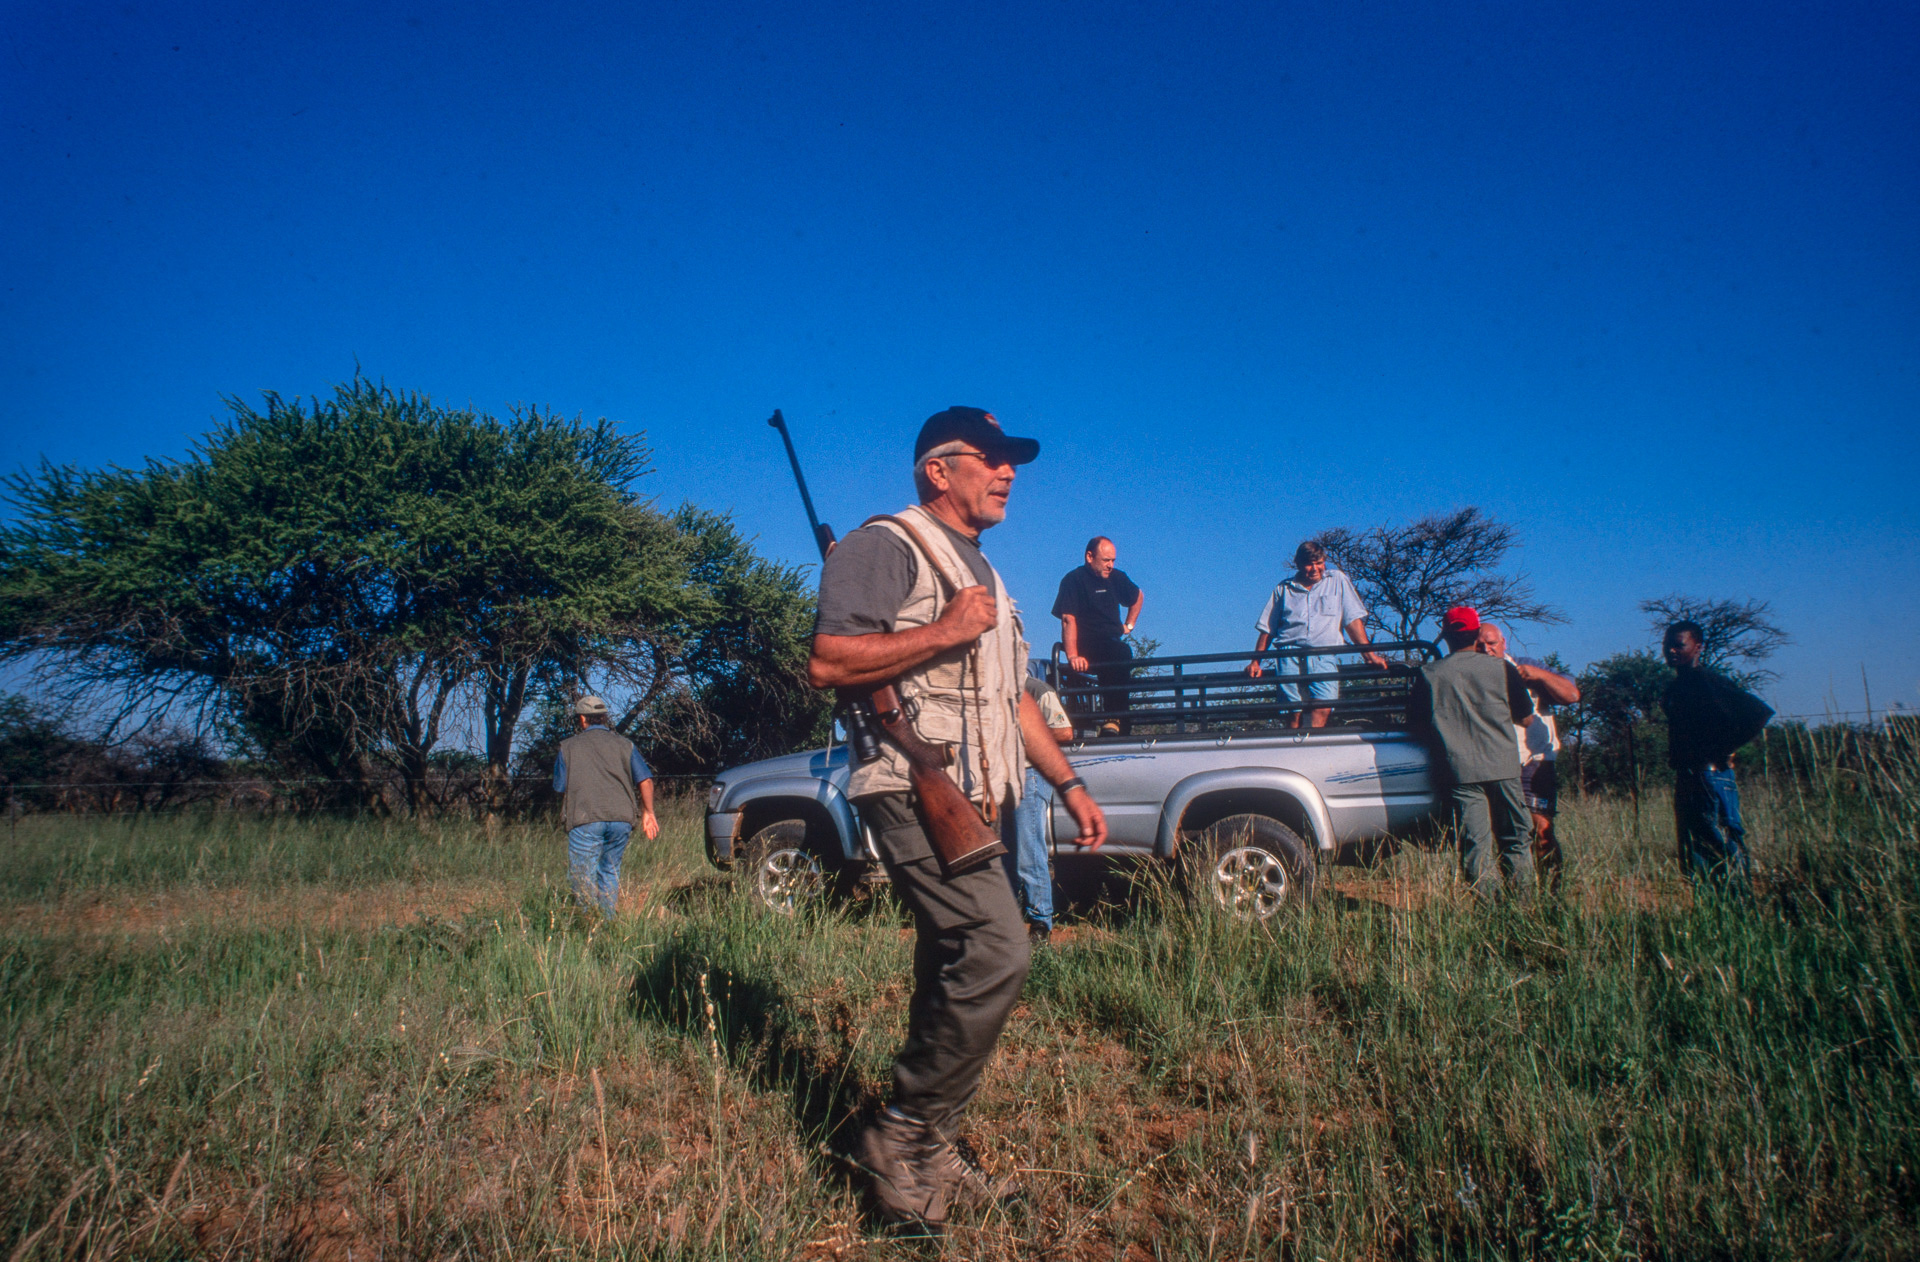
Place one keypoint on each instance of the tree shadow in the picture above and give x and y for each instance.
(1114, 894)
(703, 894)
(777, 1045)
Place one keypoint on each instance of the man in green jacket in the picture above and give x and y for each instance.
(1467, 705)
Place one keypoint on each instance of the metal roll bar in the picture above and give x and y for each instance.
(1179, 694)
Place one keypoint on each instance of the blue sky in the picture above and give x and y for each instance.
(1643, 280)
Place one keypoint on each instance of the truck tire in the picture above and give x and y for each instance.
(785, 875)
(1248, 866)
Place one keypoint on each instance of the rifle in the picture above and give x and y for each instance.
(961, 840)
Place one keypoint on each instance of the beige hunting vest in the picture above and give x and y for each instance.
(967, 698)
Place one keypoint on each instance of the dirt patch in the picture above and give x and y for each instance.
(1401, 893)
(327, 1228)
(1414, 892)
(364, 907)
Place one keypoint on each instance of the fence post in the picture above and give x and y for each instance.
(1633, 765)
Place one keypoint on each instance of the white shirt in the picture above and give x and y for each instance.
(1539, 739)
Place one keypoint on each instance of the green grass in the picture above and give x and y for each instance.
(229, 1036)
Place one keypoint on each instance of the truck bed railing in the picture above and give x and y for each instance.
(1212, 692)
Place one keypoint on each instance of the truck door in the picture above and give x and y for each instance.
(1126, 788)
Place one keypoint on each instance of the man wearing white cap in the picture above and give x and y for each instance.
(604, 783)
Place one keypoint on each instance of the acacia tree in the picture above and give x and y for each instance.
(253, 579)
(1617, 733)
(724, 684)
(741, 690)
(331, 578)
(1410, 575)
(1736, 635)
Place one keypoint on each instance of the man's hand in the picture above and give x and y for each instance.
(852, 661)
(969, 615)
(648, 823)
(1077, 664)
(1087, 814)
(1259, 647)
(1046, 758)
(1374, 659)
(1555, 687)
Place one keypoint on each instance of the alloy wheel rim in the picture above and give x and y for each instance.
(787, 878)
(1250, 882)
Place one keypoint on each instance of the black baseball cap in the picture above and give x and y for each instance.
(976, 426)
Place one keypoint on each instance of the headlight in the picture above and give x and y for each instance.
(718, 791)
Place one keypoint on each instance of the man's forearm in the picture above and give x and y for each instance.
(1070, 634)
(1043, 752)
(1133, 611)
(646, 795)
(849, 661)
(1555, 687)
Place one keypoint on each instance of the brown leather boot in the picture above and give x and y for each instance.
(968, 1183)
(913, 1190)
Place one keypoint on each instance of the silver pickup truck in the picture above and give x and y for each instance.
(1210, 776)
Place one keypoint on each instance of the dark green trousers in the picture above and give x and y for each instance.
(1496, 834)
(970, 959)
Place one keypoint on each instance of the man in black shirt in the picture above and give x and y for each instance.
(1093, 630)
(1708, 718)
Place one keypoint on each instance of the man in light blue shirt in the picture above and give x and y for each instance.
(1313, 609)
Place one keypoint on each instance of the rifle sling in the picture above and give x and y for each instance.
(988, 808)
(953, 586)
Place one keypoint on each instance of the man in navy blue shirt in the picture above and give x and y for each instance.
(1093, 629)
(1708, 718)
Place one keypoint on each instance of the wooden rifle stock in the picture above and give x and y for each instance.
(961, 839)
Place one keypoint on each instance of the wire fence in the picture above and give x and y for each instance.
(275, 782)
(452, 793)
(464, 790)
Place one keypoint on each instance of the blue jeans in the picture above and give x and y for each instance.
(1027, 865)
(593, 862)
(1706, 815)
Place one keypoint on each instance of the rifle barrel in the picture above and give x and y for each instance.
(822, 535)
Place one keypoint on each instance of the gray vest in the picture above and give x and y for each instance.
(1472, 717)
(967, 698)
(599, 778)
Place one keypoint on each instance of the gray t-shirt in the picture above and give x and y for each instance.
(869, 574)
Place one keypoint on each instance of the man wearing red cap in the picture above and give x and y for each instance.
(1467, 704)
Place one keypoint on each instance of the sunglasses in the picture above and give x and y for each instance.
(994, 461)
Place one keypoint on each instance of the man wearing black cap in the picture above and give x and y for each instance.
(911, 600)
